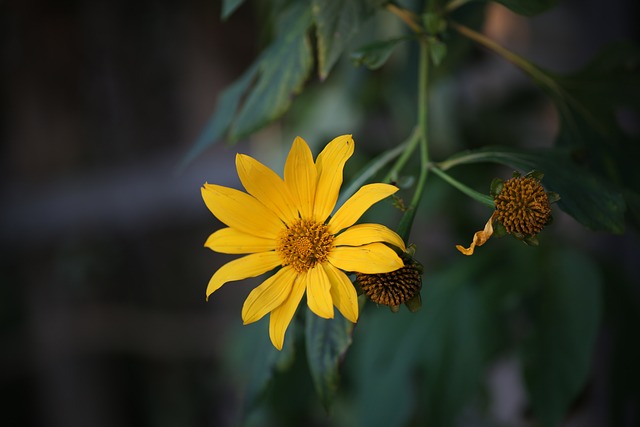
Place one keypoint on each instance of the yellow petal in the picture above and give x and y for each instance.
(241, 268)
(330, 163)
(269, 295)
(357, 204)
(373, 258)
(319, 292)
(300, 176)
(231, 241)
(361, 234)
(241, 211)
(343, 293)
(479, 238)
(282, 315)
(266, 186)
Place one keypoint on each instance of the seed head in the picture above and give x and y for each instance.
(523, 206)
(392, 288)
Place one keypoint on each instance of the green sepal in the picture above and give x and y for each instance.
(414, 303)
(553, 196)
(437, 51)
(499, 230)
(496, 187)
(535, 175)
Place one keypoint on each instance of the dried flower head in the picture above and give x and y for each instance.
(523, 209)
(393, 288)
(523, 206)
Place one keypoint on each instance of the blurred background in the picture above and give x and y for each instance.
(103, 320)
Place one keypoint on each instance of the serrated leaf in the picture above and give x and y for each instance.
(528, 7)
(229, 6)
(222, 116)
(557, 356)
(327, 341)
(337, 21)
(583, 195)
(283, 69)
(374, 55)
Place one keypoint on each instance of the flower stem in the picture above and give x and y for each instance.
(404, 227)
(372, 168)
(455, 4)
(408, 147)
(482, 198)
(536, 73)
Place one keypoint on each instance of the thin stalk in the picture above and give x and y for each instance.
(455, 4)
(526, 66)
(407, 16)
(409, 147)
(371, 169)
(462, 159)
(482, 198)
(404, 227)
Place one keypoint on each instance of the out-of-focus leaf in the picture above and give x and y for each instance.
(528, 7)
(229, 6)
(337, 21)
(222, 116)
(582, 195)
(327, 341)
(283, 69)
(589, 103)
(557, 355)
(374, 55)
(455, 345)
(384, 355)
(253, 360)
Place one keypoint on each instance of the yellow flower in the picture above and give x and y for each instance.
(287, 223)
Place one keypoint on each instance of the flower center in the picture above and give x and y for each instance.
(304, 244)
(523, 206)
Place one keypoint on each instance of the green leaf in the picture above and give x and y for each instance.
(374, 55)
(455, 345)
(229, 6)
(222, 116)
(383, 358)
(583, 195)
(284, 67)
(590, 102)
(437, 51)
(557, 355)
(253, 360)
(327, 342)
(337, 21)
(528, 7)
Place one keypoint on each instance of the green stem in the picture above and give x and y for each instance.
(404, 227)
(371, 169)
(460, 159)
(409, 146)
(455, 4)
(482, 198)
(536, 73)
